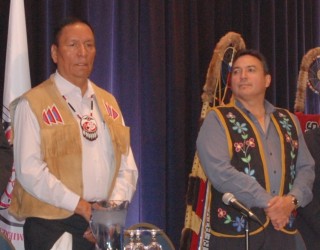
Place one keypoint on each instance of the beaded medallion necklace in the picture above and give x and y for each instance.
(87, 122)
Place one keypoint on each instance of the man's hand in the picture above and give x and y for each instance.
(84, 209)
(279, 210)
(89, 236)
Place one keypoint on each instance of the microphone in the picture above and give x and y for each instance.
(229, 199)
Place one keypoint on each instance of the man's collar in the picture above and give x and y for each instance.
(269, 108)
(65, 87)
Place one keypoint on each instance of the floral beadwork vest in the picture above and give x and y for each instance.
(247, 155)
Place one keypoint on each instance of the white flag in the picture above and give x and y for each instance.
(16, 82)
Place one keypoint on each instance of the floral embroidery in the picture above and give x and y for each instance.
(293, 143)
(238, 146)
(250, 142)
(230, 116)
(238, 223)
(243, 147)
(240, 127)
(222, 213)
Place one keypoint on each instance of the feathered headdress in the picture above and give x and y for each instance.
(215, 90)
(309, 75)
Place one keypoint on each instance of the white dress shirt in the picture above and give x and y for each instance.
(98, 162)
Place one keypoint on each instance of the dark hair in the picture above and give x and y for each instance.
(66, 22)
(255, 54)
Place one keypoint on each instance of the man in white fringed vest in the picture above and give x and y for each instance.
(71, 147)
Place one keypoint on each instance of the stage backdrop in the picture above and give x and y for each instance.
(153, 56)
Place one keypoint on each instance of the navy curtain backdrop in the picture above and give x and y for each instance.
(153, 56)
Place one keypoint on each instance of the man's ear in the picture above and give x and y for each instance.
(54, 52)
(268, 80)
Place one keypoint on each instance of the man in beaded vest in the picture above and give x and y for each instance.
(71, 147)
(256, 152)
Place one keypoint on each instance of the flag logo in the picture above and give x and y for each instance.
(52, 116)
(111, 111)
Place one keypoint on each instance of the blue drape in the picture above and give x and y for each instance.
(153, 56)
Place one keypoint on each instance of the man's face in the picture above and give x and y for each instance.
(248, 79)
(75, 52)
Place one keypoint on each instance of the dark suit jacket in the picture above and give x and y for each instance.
(6, 161)
(308, 219)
